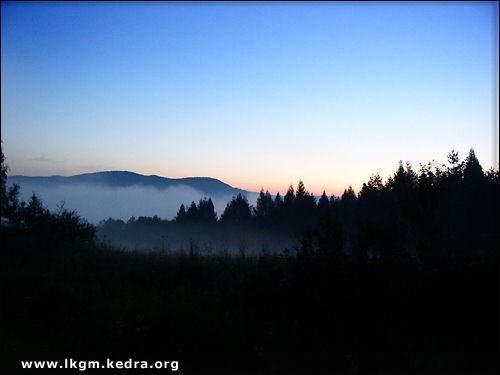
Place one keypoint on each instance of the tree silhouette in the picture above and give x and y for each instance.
(304, 208)
(237, 211)
(181, 214)
(10, 204)
(206, 211)
(192, 215)
(348, 205)
(323, 206)
(289, 196)
(453, 159)
(265, 206)
(278, 201)
(472, 169)
(3, 178)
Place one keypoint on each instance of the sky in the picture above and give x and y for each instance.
(256, 95)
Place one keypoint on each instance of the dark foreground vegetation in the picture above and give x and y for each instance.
(72, 297)
(409, 265)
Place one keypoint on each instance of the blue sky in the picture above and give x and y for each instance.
(257, 95)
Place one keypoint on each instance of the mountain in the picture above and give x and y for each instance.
(120, 179)
(122, 194)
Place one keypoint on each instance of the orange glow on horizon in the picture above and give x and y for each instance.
(282, 188)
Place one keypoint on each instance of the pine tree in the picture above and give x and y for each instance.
(237, 211)
(206, 211)
(472, 169)
(192, 215)
(181, 215)
(323, 206)
(265, 205)
(3, 177)
(301, 191)
(289, 196)
(278, 201)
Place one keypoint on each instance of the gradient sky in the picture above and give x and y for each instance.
(257, 95)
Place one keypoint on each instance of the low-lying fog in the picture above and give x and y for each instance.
(96, 203)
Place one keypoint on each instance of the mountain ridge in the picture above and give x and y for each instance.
(207, 185)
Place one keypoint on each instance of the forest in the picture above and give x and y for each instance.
(440, 214)
(409, 264)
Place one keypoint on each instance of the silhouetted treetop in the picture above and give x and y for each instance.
(237, 211)
(278, 201)
(472, 169)
(181, 214)
(203, 212)
(3, 178)
(453, 159)
(289, 196)
(265, 204)
(349, 195)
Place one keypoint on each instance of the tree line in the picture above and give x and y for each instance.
(19, 216)
(439, 214)
(408, 264)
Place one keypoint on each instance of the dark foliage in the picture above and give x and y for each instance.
(33, 217)
(71, 297)
(237, 211)
(204, 213)
(409, 265)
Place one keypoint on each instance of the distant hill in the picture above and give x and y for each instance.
(114, 179)
(122, 194)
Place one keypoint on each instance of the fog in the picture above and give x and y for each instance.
(204, 239)
(95, 203)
